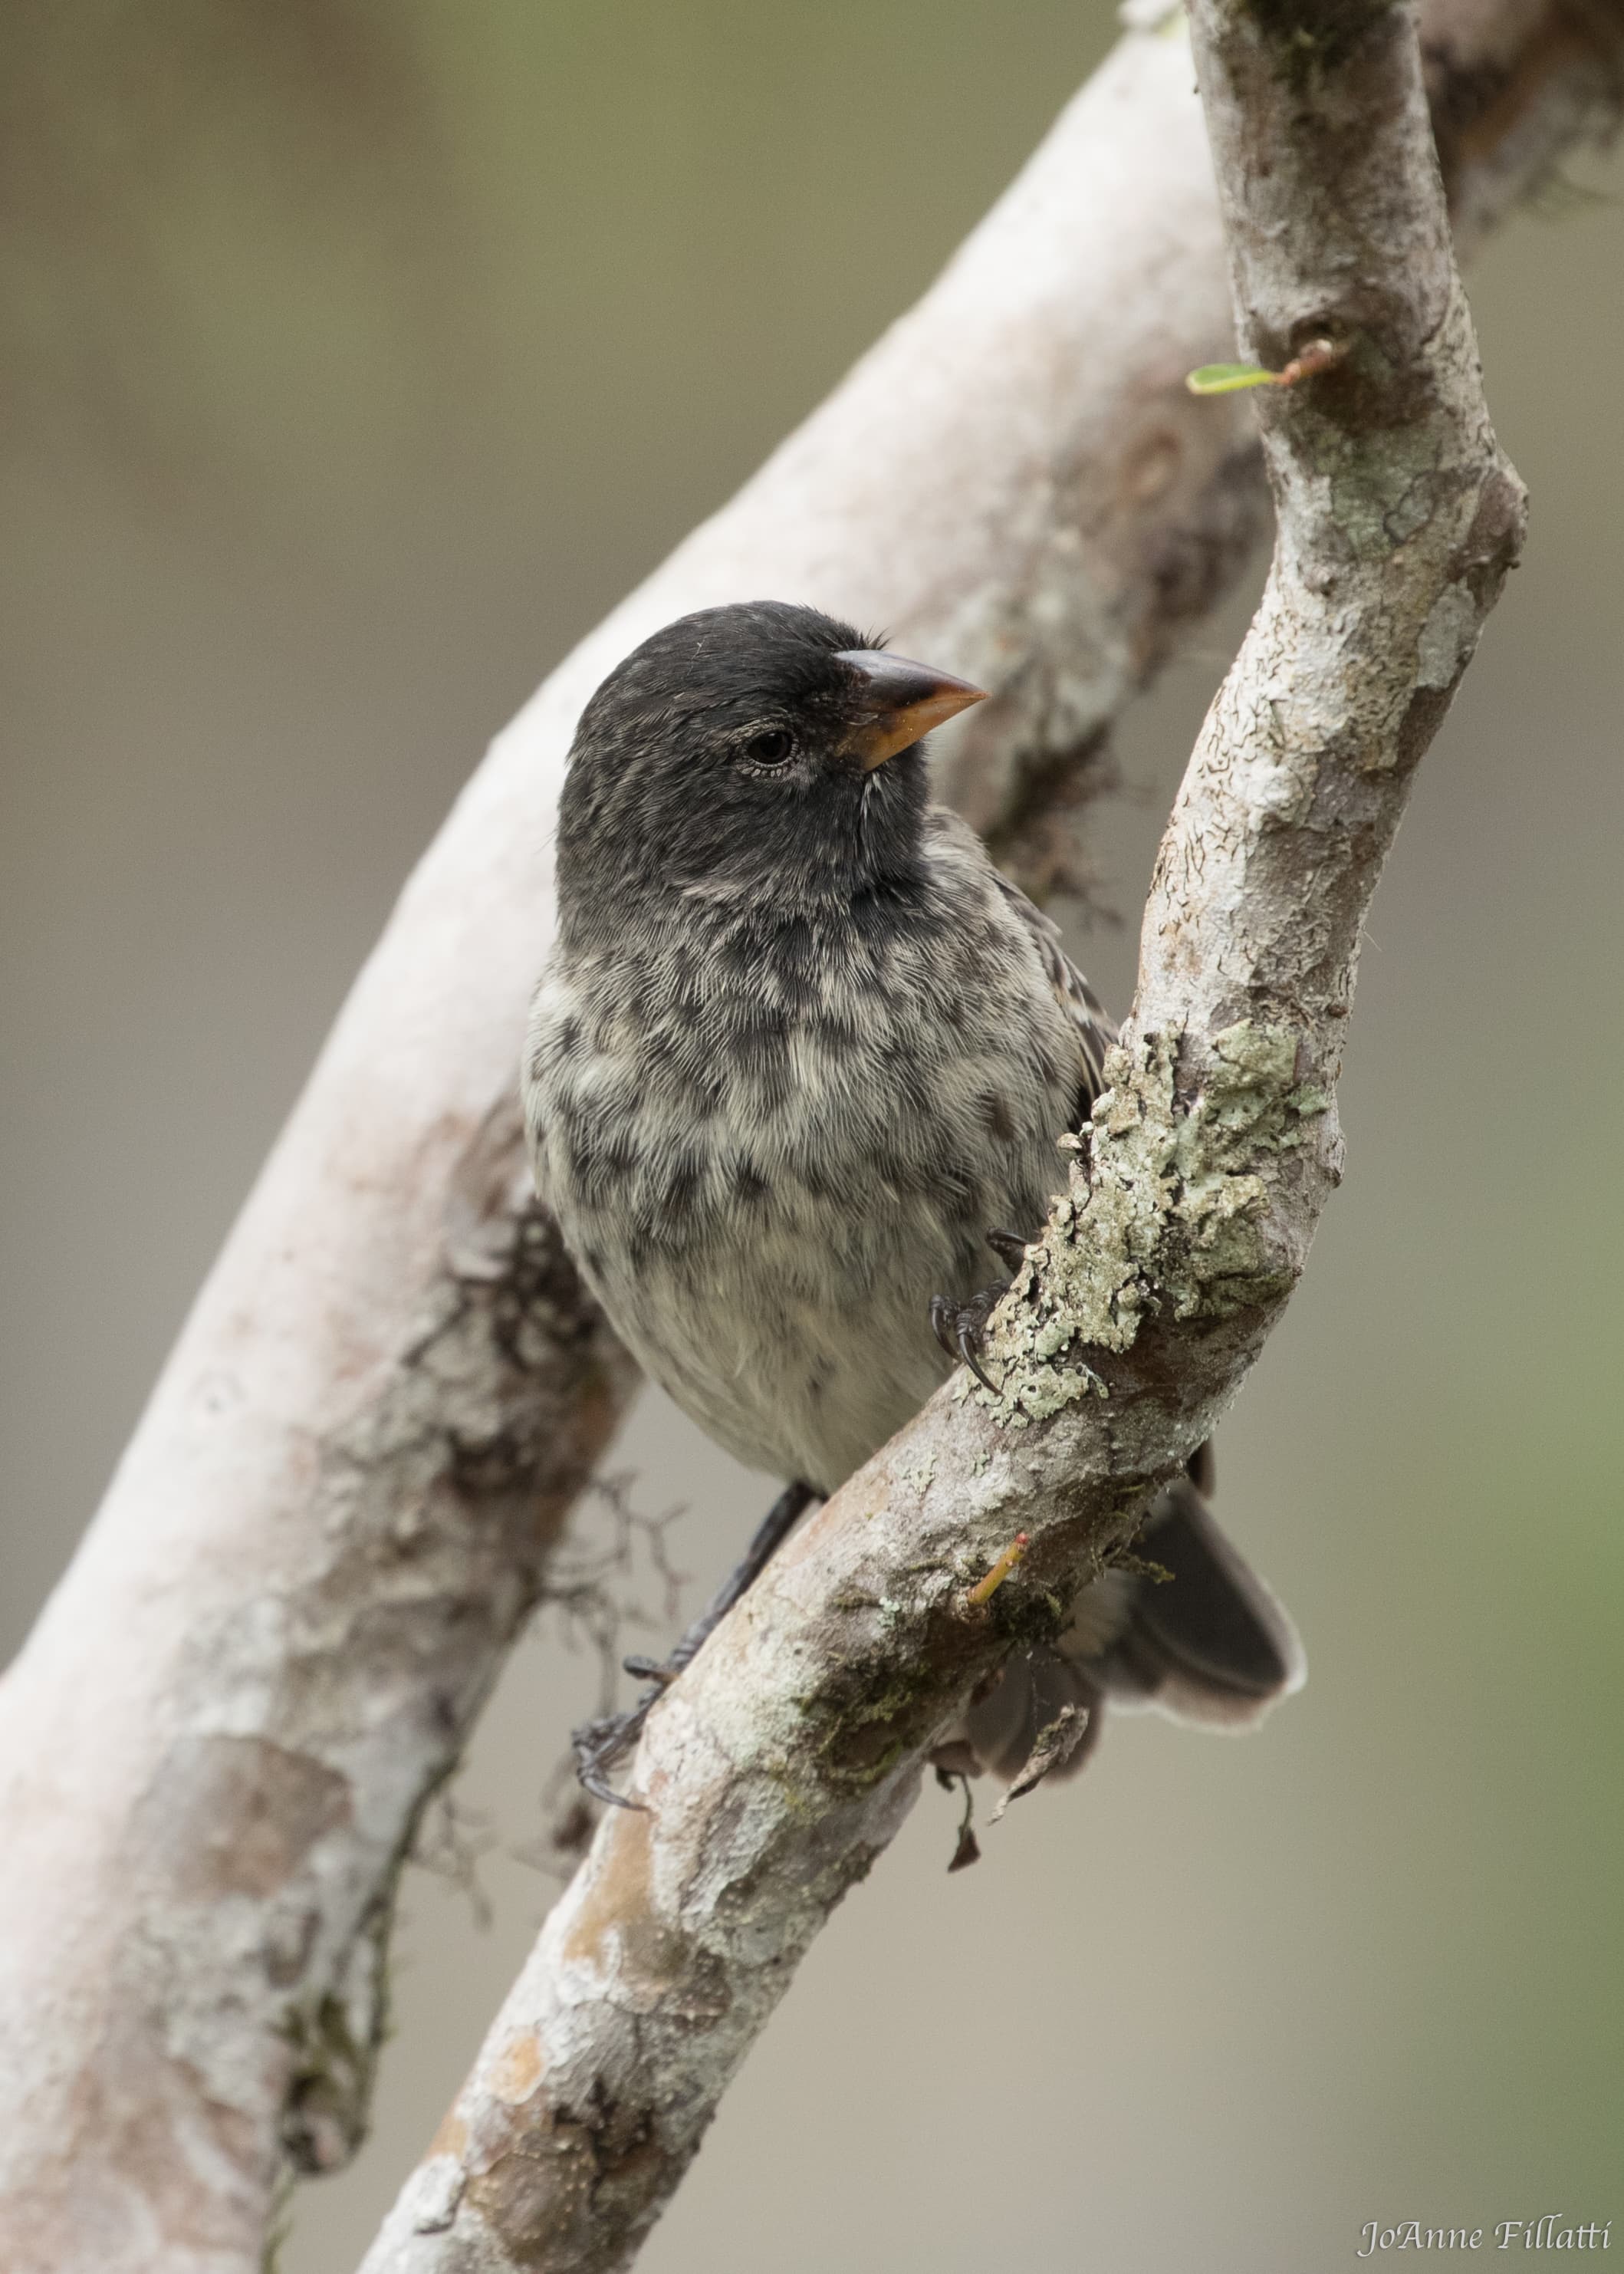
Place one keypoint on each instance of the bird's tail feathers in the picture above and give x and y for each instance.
(1213, 1645)
(1210, 1644)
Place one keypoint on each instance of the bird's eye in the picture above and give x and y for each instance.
(770, 748)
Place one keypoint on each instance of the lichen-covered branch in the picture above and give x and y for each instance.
(338, 1507)
(776, 1771)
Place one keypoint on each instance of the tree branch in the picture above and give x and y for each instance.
(337, 1510)
(780, 1765)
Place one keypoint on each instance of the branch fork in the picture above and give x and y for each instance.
(340, 1505)
(776, 1771)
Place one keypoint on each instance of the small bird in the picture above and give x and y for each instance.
(800, 1055)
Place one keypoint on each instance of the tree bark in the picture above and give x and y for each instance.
(777, 1770)
(337, 1510)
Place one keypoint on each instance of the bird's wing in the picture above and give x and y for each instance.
(1096, 1030)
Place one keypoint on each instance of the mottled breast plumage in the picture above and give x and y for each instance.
(771, 1139)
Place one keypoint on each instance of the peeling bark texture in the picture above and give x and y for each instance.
(776, 1771)
(337, 1509)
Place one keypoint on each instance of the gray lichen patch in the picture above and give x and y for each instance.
(1165, 1212)
(1447, 637)
(1380, 492)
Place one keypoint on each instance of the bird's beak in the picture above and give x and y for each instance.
(904, 700)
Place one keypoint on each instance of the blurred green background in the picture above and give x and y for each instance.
(354, 357)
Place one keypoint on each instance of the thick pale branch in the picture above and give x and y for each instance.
(338, 1507)
(780, 1765)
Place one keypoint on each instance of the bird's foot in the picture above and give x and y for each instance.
(598, 1745)
(961, 1328)
(662, 1671)
(1009, 1248)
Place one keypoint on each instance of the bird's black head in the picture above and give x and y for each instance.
(757, 752)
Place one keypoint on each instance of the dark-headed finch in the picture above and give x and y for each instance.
(799, 1051)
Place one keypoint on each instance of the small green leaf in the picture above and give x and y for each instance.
(1229, 377)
